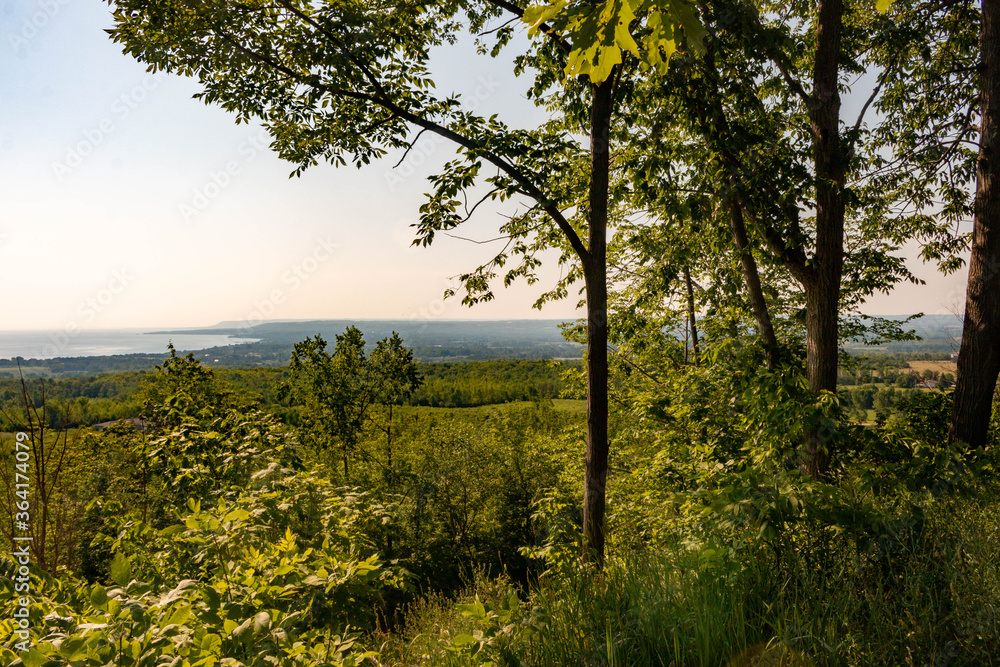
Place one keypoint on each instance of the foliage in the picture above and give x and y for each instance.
(598, 33)
(219, 586)
(343, 388)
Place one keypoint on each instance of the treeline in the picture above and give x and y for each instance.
(113, 396)
(488, 382)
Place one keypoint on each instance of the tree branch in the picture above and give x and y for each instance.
(475, 147)
(544, 27)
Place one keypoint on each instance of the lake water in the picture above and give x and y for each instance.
(96, 343)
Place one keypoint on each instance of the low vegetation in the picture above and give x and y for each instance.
(222, 534)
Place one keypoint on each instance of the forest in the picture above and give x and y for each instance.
(716, 482)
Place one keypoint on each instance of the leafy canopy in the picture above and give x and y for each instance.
(600, 32)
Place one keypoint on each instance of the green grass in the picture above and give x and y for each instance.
(562, 404)
(570, 405)
(929, 597)
(27, 372)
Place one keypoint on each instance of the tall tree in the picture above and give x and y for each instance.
(766, 101)
(393, 363)
(944, 95)
(979, 356)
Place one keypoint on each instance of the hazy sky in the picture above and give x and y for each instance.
(125, 203)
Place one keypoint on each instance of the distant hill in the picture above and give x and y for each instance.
(431, 340)
(938, 333)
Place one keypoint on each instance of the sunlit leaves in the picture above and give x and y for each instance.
(600, 32)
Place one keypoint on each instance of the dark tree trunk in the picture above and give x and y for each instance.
(388, 444)
(755, 291)
(595, 274)
(823, 289)
(979, 356)
(692, 319)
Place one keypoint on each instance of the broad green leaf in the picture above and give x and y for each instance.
(237, 515)
(211, 644)
(242, 627)
(171, 530)
(181, 614)
(33, 658)
(121, 569)
(177, 593)
(99, 597)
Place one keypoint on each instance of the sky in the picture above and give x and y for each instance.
(126, 203)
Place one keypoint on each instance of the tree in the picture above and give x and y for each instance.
(946, 93)
(34, 485)
(795, 176)
(181, 389)
(399, 377)
(979, 356)
(340, 390)
(349, 81)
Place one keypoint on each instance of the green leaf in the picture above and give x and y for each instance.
(883, 5)
(121, 569)
(237, 515)
(211, 644)
(177, 593)
(171, 530)
(99, 597)
(242, 627)
(474, 610)
(261, 621)
(33, 658)
(181, 614)
(599, 33)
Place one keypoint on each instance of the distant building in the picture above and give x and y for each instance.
(928, 384)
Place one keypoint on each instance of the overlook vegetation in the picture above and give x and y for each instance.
(717, 483)
(221, 534)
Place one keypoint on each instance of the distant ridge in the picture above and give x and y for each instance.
(242, 324)
(431, 340)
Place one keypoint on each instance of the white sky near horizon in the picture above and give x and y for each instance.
(125, 203)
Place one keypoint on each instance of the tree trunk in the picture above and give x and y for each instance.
(821, 367)
(692, 319)
(979, 356)
(823, 289)
(754, 289)
(596, 276)
(388, 444)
